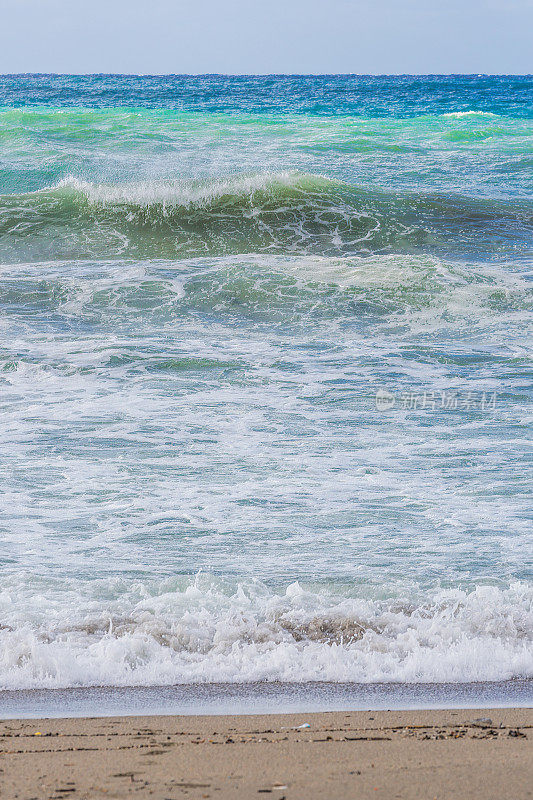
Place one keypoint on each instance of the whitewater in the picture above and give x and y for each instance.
(265, 380)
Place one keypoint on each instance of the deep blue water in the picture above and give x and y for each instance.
(329, 95)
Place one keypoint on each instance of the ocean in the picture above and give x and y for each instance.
(265, 380)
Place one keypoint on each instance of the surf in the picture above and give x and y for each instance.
(290, 212)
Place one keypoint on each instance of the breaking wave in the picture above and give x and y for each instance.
(469, 113)
(288, 212)
(209, 632)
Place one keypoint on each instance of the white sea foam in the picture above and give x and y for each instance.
(185, 194)
(470, 113)
(204, 632)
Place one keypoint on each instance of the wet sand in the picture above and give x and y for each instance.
(358, 754)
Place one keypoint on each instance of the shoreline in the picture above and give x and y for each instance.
(390, 754)
(260, 698)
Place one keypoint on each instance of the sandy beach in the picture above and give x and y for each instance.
(393, 754)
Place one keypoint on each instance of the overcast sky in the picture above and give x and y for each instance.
(267, 36)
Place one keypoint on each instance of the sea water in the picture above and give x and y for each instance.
(265, 379)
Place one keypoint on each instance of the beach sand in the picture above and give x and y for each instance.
(388, 754)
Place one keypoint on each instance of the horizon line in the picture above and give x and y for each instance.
(274, 74)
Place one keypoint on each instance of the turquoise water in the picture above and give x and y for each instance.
(265, 379)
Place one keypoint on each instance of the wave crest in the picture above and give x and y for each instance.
(288, 212)
(191, 194)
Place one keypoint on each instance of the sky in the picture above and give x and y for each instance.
(267, 36)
